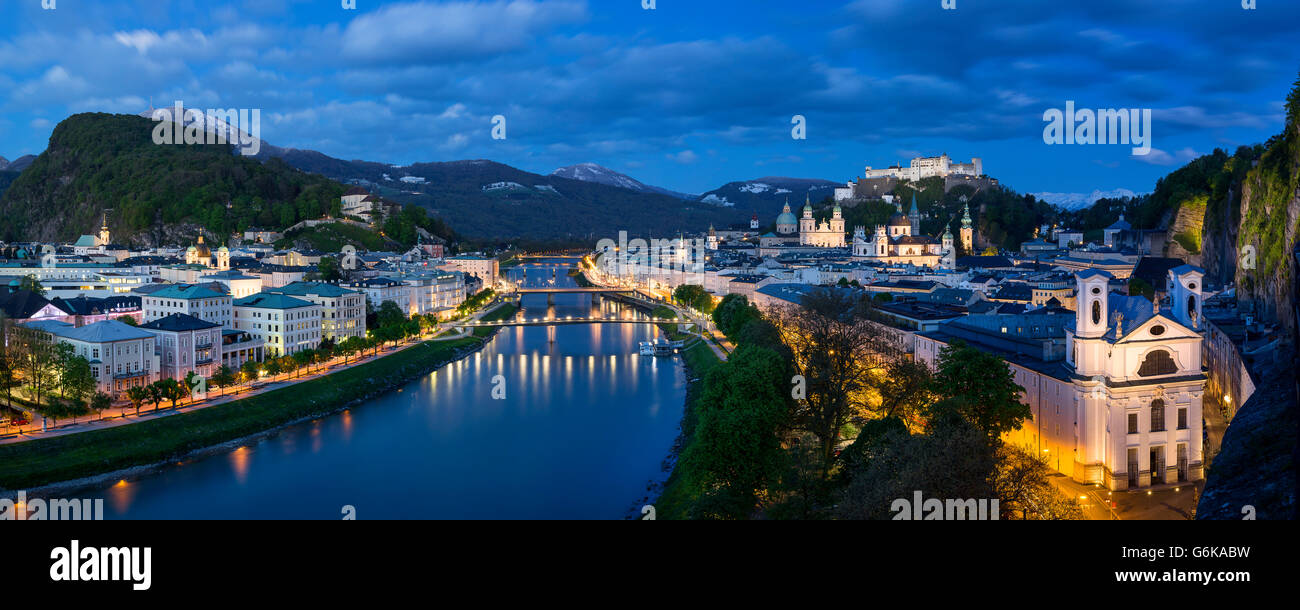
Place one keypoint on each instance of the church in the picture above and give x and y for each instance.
(900, 242)
(806, 231)
(199, 254)
(1114, 388)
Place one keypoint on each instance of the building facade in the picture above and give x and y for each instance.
(285, 324)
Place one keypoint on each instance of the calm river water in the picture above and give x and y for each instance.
(584, 428)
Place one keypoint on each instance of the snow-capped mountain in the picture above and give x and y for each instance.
(215, 124)
(1078, 201)
(765, 196)
(592, 172)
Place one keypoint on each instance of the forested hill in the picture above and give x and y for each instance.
(490, 200)
(99, 161)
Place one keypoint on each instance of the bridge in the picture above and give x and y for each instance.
(567, 320)
(569, 289)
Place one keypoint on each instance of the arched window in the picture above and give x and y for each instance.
(1158, 415)
(1191, 308)
(1157, 362)
(1096, 312)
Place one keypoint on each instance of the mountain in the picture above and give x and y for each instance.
(156, 193)
(766, 196)
(1078, 201)
(591, 172)
(17, 165)
(489, 200)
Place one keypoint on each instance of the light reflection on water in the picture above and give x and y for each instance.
(584, 428)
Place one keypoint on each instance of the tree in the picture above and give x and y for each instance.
(137, 395)
(389, 314)
(128, 320)
(905, 389)
(35, 360)
(194, 382)
(100, 402)
(249, 370)
(1023, 491)
(695, 297)
(737, 451)
(274, 366)
(838, 352)
(302, 359)
(77, 379)
(979, 387)
(29, 282)
(156, 394)
(954, 460)
(223, 377)
(733, 312)
(329, 269)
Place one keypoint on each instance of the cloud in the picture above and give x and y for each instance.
(1160, 157)
(425, 32)
(685, 157)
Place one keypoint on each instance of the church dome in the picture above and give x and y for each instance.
(898, 220)
(786, 218)
(201, 248)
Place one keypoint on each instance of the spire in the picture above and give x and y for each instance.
(965, 216)
(913, 211)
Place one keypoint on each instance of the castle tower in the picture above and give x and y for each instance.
(914, 216)
(967, 232)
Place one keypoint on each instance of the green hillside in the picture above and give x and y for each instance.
(96, 161)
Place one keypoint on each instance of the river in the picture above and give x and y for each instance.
(583, 430)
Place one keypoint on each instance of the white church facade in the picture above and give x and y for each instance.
(900, 242)
(1117, 401)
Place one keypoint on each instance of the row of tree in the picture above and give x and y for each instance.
(819, 413)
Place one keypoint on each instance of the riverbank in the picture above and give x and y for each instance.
(76, 458)
(675, 496)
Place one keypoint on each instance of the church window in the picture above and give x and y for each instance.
(1157, 415)
(1132, 423)
(1096, 312)
(1157, 362)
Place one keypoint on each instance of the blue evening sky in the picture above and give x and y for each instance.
(688, 96)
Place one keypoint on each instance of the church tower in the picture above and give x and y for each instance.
(967, 233)
(948, 258)
(807, 225)
(753, 223)
(711, 242)
(837, 227)
(1185, 295)
(914, 217)
(103, 239)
